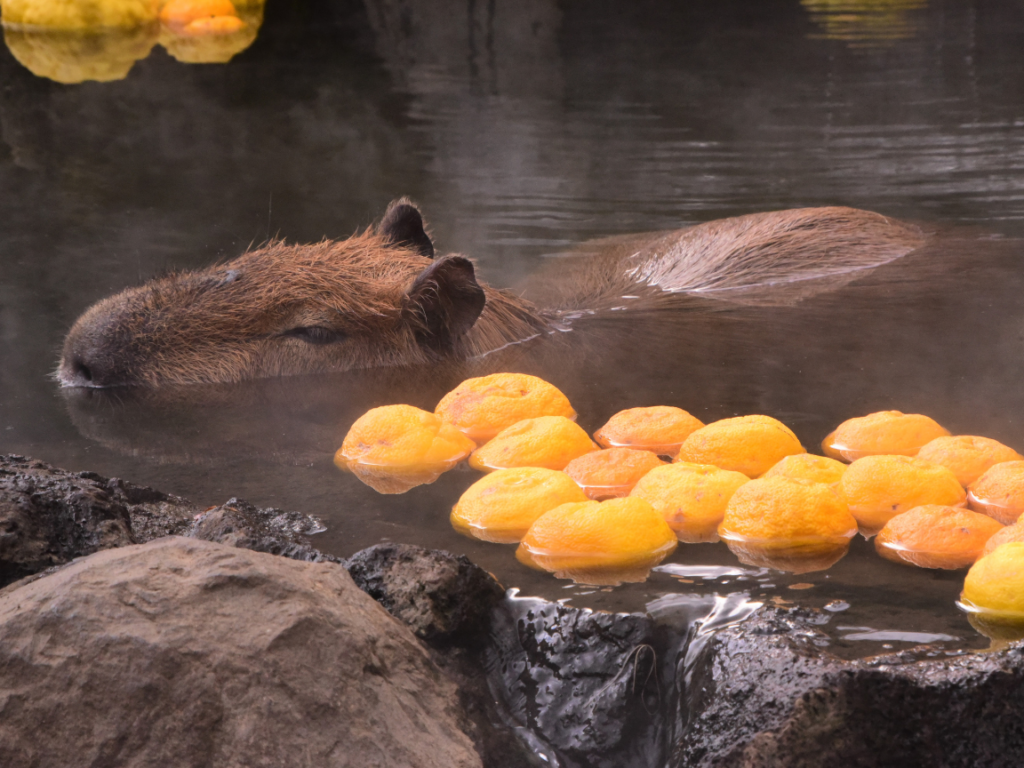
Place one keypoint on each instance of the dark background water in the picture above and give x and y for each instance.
(523, 128)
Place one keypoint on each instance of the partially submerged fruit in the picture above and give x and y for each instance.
(484, 406)
(999, 492)
(612, 472)
(397, 447)
(967, 456)
(806, 466)
(994, 587)
(747, 444)
(1005, 535)
(936, 536)
(691, 497)
(877, 488)
(546, 441)
(501, 506)
(598, 542)
(889, 433)
(660, 429)
(787, 524)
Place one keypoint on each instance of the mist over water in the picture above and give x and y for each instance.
(523, 129)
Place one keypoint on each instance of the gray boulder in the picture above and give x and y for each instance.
(189, 653)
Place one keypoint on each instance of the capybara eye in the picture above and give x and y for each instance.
(315, 334)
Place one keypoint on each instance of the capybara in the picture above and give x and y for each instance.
(381, 298)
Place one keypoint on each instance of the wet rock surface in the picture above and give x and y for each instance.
(186, 652)
(763, 693)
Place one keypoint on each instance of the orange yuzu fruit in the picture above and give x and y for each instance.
(877, 488)
(611, 472)
(546, 441)
(1007, 534)
(502, 505)
(691, 497)
(658, 428)
(999, 492)
(482, 407)
(747, 444)
(806, 466)
(181, 13)
(967, 456)
(890, 433)
(936, 536)
(598, 542)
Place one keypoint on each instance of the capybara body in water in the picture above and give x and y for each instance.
(381, 298)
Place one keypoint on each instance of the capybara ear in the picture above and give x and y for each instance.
(402, 225)
(444, 302)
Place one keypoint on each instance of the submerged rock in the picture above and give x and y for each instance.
(185, 652)
(763, 693)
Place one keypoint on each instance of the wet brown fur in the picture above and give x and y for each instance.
(237, 321)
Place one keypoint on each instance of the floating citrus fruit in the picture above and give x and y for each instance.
(787, 524)
(967, 456)
(994, 587)
(659, 428)
(81, 15)
(877, 488)
(612, 472)
(501, 506)
(180, 13)
(805, 466)
(936, 536)
(691, 497)
(598, 542)
(747, 444)
(999, 492)
(484, 406)
(889, 433)
(1005, 535)
(397, 447)
(546, 441)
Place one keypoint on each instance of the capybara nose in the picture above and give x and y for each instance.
(91, 360)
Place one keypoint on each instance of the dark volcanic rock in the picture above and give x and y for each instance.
(49, 517)
(185, 653)
(276, 532)
(443, 598)
(764, 694)
(586, 686)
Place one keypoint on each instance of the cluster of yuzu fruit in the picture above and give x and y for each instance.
(608, 511)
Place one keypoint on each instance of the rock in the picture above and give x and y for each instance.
(186, 652)
(762, 693)
(586, 688)
(443, 598)
(276, 532)
(49, 517)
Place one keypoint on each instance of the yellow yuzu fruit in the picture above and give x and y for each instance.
(805, 466)
(611, 472)
(877, 488)
(691, 497)
(546, 441)
(967, 456)
(999, 492)
(484, 406)
(747, 444)
(995, 584)
(396, 447)
(777, 511)
(889, 433)
(658, 428)
(79, 15)
(936, 536)
(502, 505)
(598, 541)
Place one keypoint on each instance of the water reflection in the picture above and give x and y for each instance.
(864, 23)
(102, 39)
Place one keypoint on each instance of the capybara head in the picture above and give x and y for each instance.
(379, 298)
